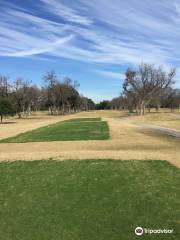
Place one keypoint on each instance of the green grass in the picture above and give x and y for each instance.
(70, 130)
(88, 200)
(84, 120)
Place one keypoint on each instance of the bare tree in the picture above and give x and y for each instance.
(31, 99)
(146, 82)
(4, 86)
(119, 103)
(62, 97)
(51, 80)
(19, 95)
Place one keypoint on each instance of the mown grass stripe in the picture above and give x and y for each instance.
(99, 199)
(70, 130)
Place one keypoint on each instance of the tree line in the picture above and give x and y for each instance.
(21, 97)
(146, 87)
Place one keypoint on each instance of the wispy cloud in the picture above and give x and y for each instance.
(23, 34)
(110, 74)
(47, 48)
(63, 11)
(96, 31)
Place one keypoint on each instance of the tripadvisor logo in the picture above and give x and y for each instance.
(139, 231)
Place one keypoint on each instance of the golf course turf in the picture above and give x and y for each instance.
(88, 200)
(70, 130)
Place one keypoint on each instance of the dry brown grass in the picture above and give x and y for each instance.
(164, 118)
(14, 126)
(127, 141)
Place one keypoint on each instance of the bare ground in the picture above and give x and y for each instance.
(127, 141)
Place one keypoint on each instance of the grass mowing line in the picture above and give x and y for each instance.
(99, 200)
(84, 120)
(70, 130)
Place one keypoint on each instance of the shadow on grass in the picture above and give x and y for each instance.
(4, 123)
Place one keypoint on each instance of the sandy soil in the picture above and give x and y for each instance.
(127, 141)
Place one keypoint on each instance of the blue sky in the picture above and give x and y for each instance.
(92, 42)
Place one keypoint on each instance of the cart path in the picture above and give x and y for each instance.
(163, 130)
(168, 131)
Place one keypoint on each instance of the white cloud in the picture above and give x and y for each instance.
(115, 75)
(49, 47)
(56, 7)
(96, 31)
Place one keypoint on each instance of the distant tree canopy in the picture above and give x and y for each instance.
(6, 108)
(87, 104)
(59, 97)
(103, 105)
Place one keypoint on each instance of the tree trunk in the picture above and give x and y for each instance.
(23, 110)
(19, 115)
(1, 118)
(51, 110)
(28, 112)
(172, 108)
(142, 108)
(137, 110)
(62, 109)
(157, 107)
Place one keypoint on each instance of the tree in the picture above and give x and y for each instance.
(6, 108)
(31, 99)
(19, 95)
(50, 90)
(145, 83)
(4, 86)
(104, 105)
(60, 97)
(172, 99)
(119, 103)
(91, 105)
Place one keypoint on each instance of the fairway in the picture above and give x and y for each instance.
(123, 140)
(70, 130)
(88, 200)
